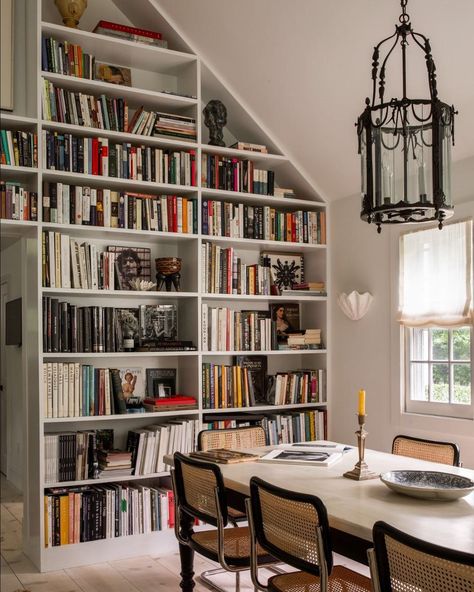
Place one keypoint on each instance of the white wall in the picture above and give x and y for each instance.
(366, 353)
(15, 420)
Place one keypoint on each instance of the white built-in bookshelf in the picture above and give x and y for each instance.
(153, 70)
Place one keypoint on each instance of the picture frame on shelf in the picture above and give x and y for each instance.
(286, 315)
(131, 263)
(113, 74)
(133, 385)
(160, 382)
(286, 269)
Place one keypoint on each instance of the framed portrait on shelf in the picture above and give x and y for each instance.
(287, 318)
(131, 263)
(113, 74)
(133, 385)
(6, 51)
(286, 269)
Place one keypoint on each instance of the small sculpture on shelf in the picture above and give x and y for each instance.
(168, 272)
(71, 11)
(215, 118)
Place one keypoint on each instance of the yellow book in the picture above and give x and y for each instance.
(64, 520)
(224, 393)
(185, 215)
(312, 427)
(239, 387)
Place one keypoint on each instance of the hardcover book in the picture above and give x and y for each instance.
(113, 74)
(133, 385)
(160, 382)
(126, 328)
(257, 371)
(158, 323)
(303, 455)
(287, 319)
(225, 456)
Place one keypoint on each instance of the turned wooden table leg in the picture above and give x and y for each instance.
(186, 554)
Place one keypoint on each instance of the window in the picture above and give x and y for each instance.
(436, 318)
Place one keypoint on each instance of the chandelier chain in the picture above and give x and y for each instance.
(404, 18)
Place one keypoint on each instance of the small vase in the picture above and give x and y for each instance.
(71, 11)
(168, 271)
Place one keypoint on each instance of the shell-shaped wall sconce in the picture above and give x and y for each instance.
(355, 305)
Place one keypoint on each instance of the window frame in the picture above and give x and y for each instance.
(453, 410)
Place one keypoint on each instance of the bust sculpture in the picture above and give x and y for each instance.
(215, 118)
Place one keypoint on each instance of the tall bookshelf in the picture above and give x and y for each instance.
(180, 70)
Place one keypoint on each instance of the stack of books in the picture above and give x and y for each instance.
(114, 463)
(176, 126)
(130, 33)
(250, 147)
(309, 339)
(169, 403)
(307, 288)
(282, 192)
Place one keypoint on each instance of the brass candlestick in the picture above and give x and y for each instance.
(361, 471)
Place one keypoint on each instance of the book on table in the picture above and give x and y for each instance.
(318, 455)
(224, 456)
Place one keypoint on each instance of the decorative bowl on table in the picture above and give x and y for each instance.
(430, 485)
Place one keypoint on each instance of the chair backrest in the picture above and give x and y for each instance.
(196, 483)
(441, 452)
(286, 523)
(235, 438)
(407, 564)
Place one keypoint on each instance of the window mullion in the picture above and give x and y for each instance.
(430, 365)
(450, 366)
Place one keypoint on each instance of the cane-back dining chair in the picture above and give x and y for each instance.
(402, 563)
(199, 492)
(441, 452)
(294, 528)
(236, 439)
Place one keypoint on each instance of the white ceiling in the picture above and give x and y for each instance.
(303, 67)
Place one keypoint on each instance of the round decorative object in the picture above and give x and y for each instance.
(168, 272)
(430, 485)
(71, 11)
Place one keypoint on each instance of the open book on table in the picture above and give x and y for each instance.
(323, 454)
(224, 455)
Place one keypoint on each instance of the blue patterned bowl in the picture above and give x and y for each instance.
(431, 485)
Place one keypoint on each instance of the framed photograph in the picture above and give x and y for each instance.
(113, 74)
(158, 322)
(286, 268)
(287, 319)
(6, 51)
(126, 327)
(160, 382)
(133, 385)
(131, 263)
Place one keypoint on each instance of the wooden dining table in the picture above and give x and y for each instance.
(354, 506)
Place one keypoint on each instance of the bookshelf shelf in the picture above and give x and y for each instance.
(113, 182)
(119, 136)
(115, 50)
(124, 294)
(119, 233)
(271, 352)
(265, 408)
(153, 71)
(267, 200)
(248, 243)
(106, 480)
(151, 98)
(124, 417)
(251, 297)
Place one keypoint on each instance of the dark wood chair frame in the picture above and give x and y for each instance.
(453, 445)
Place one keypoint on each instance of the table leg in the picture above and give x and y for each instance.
(186, 555)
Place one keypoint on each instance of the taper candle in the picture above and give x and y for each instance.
(361, 402)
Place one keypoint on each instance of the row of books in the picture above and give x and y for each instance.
(89, 513)
(130, 33)
(17, 202)
(98, 156)
(262, 222)
(18, 148)
(77, 204)
(233, 174)
(71, 389)
(223, 272)
(63, 57)
(76, 108)
(226, 386)
(224, 329)
(151, 444)
(301, 386)
(96, 329)
(156, 123)
(304, 426)
(68, 264)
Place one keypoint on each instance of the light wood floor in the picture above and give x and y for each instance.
(138, 574)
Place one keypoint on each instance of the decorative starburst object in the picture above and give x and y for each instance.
(285, 273)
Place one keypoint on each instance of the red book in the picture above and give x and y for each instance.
(127, 29)
(177, 400)
(294, 238)
(95, 156)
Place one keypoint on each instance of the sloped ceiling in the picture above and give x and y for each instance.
(303, 68)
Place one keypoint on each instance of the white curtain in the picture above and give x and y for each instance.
(436, 276)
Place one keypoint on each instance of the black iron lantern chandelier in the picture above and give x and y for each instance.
(405, 144)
